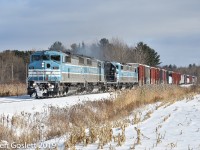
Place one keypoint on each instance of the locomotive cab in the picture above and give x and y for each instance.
(44, 73)
(110, 72)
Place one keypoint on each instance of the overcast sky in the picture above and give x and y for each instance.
(171, 27)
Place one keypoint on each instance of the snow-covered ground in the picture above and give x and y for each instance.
(14, 104)
(170, 126)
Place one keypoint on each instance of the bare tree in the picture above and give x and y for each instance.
(137, 55)
(117, 51)
(12, 67)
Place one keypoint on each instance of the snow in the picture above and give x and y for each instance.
(186, 85)
(14, 104)
(171, 126)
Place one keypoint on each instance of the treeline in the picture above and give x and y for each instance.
(13, 64)
(191, 69)
(114, 50)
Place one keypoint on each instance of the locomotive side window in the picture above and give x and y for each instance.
(89, 62)
(55, 57)
(81, 60)
(122, 67)
(68, 59)
(45, 57)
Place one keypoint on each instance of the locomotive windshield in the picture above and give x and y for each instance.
(55, 57)
(40, 57)
(45, 57)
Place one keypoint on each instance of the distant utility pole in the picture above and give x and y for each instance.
(26, 72)
(2, 69)
(12, 72)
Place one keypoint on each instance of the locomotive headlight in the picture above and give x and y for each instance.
(31, 67)
(34, 84)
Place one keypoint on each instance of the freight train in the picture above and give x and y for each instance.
(54, 73)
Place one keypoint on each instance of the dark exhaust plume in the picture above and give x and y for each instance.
(94, 50)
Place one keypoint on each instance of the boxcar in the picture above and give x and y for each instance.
(153, 75)
(147, 75)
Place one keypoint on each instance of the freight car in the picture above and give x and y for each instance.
(53, 73)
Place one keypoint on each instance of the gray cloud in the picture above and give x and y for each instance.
(169, 27)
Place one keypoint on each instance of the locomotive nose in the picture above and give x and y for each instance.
(39, 65)
(49, 65)
(46, 65)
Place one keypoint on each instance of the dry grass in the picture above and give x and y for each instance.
(98, 113)
(98, 116)
(13, 89)
(150, 94)
(6, 134)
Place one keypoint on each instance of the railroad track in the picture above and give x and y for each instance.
(28, 99)
(16, 100)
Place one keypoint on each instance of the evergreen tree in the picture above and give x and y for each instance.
(150, 55)
(74, 48)
(58, 46)
(103, 43)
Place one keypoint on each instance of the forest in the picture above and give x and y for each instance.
(14, 63)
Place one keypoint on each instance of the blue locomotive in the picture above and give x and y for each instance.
(53, 73)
